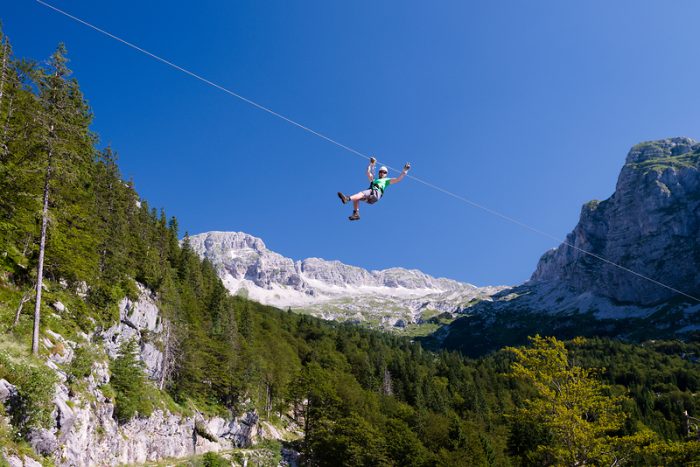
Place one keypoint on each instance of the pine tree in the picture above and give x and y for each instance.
(18, 169)
(8, 82)
(64, 119)
(113, 203)
(129, 383)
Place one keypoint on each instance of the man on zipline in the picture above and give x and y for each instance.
(376, 187)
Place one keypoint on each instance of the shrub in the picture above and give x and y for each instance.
(81, 366)
(212, 459)
(35, 384)
(108, 392)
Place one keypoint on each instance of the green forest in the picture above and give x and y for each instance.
(362, 397)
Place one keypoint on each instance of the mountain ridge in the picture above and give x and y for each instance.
(329, 288)
(650, 225)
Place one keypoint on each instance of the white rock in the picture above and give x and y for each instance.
(87, 434)
(7, 391)
(137, 318)
(62, 353)
(82, 289)
(329, 289)
(25, 461)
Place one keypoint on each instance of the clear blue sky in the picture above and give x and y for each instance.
(526, 107)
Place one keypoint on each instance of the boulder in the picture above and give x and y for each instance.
(8, 393)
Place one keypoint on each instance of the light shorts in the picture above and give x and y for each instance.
(371, 196)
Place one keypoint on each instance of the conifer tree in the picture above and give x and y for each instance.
(113, 203)
(129, 383)
(18, 174)
(64, 119)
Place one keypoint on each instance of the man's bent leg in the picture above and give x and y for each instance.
(356, 198)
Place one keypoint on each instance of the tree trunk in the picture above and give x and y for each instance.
(42, 248)
(4, 69)
(6, 127)
(3, 75)
(387, 386)
(167, 356)
(27, 241)
(25, 298)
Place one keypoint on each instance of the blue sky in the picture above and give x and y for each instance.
(528, 108)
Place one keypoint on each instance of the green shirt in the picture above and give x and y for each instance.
(381, 183)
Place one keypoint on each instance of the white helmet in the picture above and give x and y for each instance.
(383, 169)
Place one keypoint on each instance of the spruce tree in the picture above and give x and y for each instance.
(18, 169)
(65, 139)
(129, 383)
(113, 202)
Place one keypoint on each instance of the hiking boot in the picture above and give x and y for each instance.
(343, 198)
(355, 216)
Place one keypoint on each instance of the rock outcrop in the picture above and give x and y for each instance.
(85, 431)
(139, 320)
(330, 289)
(8, 394)
(650, 225)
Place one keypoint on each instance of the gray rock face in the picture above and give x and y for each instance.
(43, 442)
(330, 289)
(8, 392)
(85, 431)
(24, 461)
(651, 225)
(138, 319)
(94, 438)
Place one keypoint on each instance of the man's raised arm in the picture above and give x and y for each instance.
(370, 168)
(406, 168)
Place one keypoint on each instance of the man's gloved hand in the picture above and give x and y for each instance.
(372, 160)
(407, 167)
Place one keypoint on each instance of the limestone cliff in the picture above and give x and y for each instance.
(84, 430)
(651, 225)
(331, 289)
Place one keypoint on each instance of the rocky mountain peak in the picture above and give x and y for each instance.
(651, 225)
(232, 240)
(660, 149)
(330, 289)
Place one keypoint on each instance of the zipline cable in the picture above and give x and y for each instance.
(358, 153)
